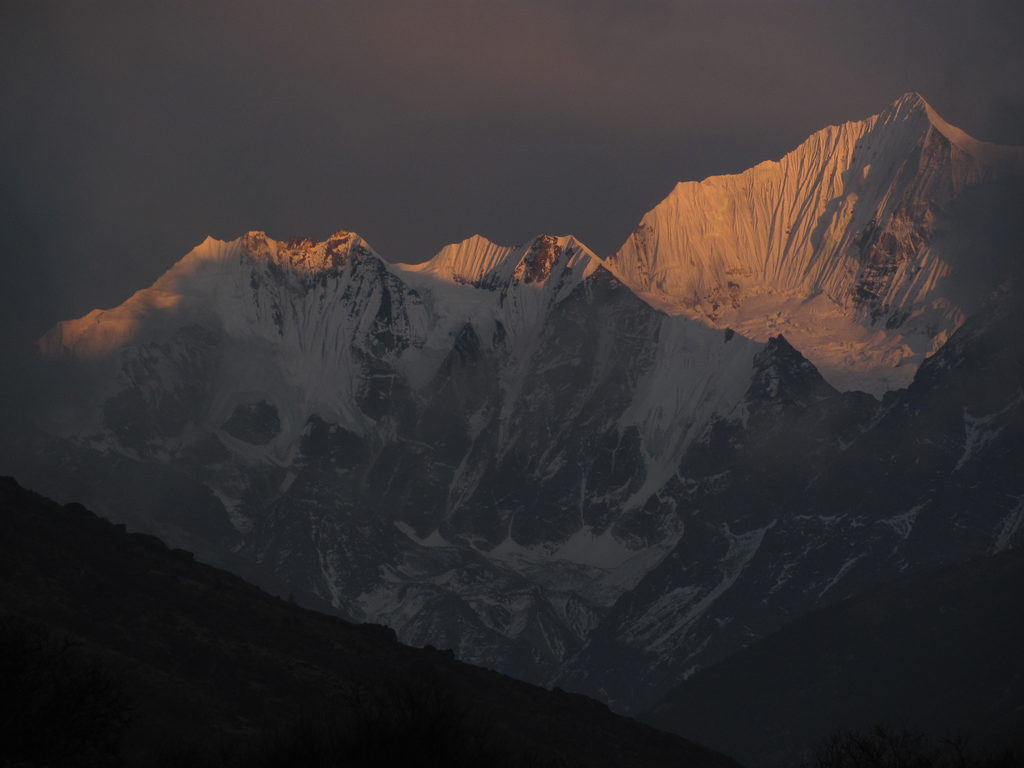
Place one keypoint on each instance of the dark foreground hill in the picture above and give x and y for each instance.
(940, 653)
(117, 650)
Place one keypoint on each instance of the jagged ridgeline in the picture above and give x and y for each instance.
(600, 473)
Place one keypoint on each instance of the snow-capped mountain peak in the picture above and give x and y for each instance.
(509, 451)
(912, 106)
(466, 262)
(208, 279)
(481, 263)
(835, 244)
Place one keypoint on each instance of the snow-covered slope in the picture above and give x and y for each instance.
(462, 449)
(512, 451)
(842, 245)
(805, 496)
(289, 320)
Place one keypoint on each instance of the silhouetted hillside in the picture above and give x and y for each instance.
(940, 652)
(170, 662)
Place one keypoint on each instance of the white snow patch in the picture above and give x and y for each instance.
(696, 375)
(903, 524)
(233, 507)
(670, 634)
(432, 541)
(980, 431)
(783, 577)
(601, 551)
(843, 570)
(1010, 528)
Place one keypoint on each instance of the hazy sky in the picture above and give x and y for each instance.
(131, 130)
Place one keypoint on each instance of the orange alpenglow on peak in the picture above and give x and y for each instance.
(825, 244)
(833, 245)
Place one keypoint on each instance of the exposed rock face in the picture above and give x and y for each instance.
(460, 449)
(512, 452)
(254, 423)
(804, 496)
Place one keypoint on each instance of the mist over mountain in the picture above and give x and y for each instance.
(787, 386)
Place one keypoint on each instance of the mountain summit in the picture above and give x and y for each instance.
(848, 245)
(601, 473)
(479, 262)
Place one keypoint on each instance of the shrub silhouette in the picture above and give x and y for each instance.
(885, 747)
(58, 706)
(417, 722)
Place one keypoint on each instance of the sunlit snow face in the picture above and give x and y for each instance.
(429, 121)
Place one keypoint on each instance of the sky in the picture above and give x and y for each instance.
(132, 130)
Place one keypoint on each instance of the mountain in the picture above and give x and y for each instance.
(809, 496)
(938, 651)
(567, 468)
(399, 443)
(189, 665)
(852, 245)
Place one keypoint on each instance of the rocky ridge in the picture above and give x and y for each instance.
(515, 453)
